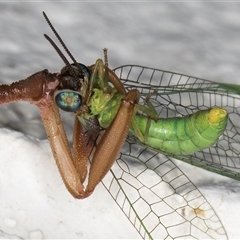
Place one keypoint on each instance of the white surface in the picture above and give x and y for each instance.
(200, 39)
(35, 204)
(34, 201)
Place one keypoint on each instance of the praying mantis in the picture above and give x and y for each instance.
(223, 89)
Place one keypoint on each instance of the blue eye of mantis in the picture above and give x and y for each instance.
(68, 100)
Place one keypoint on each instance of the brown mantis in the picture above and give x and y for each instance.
(39, 89)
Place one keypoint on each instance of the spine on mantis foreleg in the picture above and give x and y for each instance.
(184, 135)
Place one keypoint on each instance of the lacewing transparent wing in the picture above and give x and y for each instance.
(177, 94)
(156, 196)
(158, 199)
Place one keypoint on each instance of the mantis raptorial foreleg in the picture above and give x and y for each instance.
(73, 171)
(80, 153)
(38, 89)
(112, 141)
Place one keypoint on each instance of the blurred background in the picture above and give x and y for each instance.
(198, 39)
(195, 38)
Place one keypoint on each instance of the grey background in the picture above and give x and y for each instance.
(199, 39)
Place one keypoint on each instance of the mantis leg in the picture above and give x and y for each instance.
(83, 143)
(60, 148)
(112, 141)
(31, 89)
(38, 89)
(80, 156)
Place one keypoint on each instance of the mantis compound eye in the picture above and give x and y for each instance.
(85, 70)
(68, 100)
